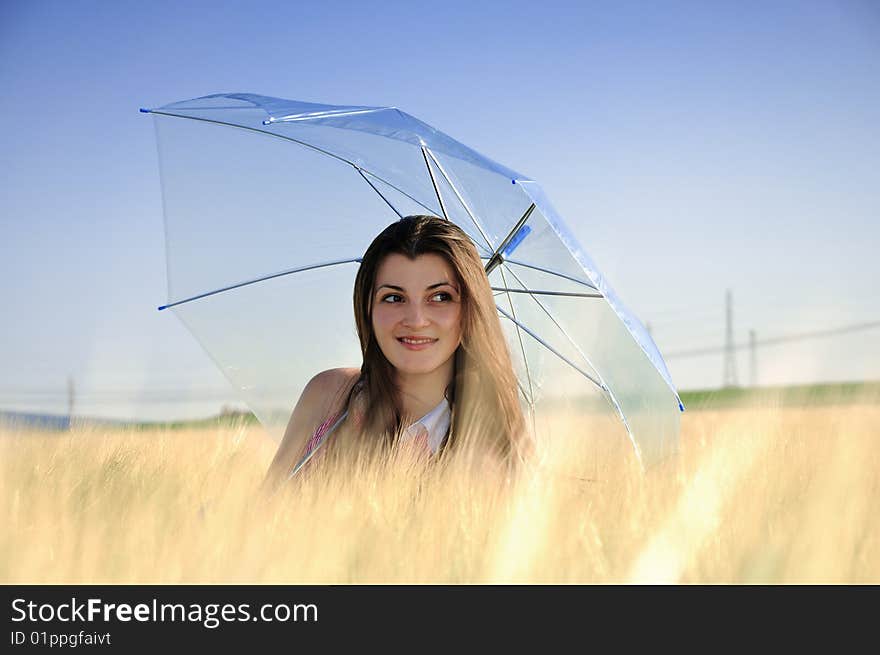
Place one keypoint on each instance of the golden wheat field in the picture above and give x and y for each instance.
(758, 494)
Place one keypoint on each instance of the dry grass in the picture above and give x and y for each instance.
(758, 495)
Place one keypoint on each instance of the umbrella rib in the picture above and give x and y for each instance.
(571, 294)
(553, 350)
(434, 183)
(373, 186)
(545, 270)
(556, 273)
(522, 390)
(436, 190)
(387, 183)
(253, 129)
(292, 140)
(261, 279)
(561, 329)
(522, 347)
(457, 195)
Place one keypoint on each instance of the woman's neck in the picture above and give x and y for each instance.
(420, 393)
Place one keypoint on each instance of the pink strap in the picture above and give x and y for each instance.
(316, 438)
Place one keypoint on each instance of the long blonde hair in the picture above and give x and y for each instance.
(486, 413)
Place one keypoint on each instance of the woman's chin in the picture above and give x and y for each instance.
(417, 364)
(420, 368)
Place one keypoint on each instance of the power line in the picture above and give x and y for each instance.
(690, 318)
(753, 304)
(802, 336)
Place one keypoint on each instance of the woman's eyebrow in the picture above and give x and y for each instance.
(442, 284)
(390, 286)
(428, 288)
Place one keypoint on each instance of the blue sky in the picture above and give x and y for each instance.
(692, 147)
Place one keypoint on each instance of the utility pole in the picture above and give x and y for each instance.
(729, 347)
(71, 395)
(753, 359)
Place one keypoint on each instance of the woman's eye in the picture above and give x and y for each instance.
(392, 298)
(441, 297)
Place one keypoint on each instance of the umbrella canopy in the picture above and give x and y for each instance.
(270, 203)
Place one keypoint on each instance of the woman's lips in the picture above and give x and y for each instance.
(416, 343)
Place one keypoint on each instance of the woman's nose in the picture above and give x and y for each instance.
(415, 315)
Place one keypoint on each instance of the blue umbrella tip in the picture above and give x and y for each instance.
(162, 307)
(513, 181)
(680, 406)
(145, 111)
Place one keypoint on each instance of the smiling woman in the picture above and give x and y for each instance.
(436, 375)
(417, 324)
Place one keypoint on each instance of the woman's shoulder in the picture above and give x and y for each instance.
(332, 379)
(327, 389)
(321, 398)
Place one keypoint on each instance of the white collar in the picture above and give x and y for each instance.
(436, 422)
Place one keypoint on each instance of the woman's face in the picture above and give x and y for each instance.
(417, 312)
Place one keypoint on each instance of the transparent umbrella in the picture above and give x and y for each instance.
(270, 203)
